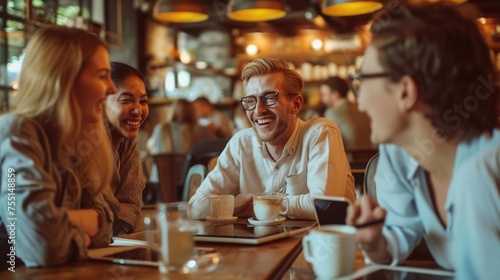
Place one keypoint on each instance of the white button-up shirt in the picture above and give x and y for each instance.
(313, 163)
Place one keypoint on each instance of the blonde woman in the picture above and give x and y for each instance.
(55, 156)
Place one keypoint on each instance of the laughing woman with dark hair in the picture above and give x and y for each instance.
(126, 111)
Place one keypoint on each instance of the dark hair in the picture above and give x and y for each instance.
(203, 100)
(337, 84)
(184, 112)
(447, 57)
(120, 71)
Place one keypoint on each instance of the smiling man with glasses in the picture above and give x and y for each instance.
(280, 152)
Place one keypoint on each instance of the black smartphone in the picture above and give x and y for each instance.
(330, 210)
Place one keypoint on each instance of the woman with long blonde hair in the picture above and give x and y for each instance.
(55, 156)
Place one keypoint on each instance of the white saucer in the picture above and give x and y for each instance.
(275, 222)
(221, 221)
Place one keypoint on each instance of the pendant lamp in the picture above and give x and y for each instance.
(343, 8)
(179, 11)
(255, 10)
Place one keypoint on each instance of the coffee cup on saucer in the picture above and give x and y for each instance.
(269, 206)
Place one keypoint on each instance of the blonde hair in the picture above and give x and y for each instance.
(54, 58)
(264, 66)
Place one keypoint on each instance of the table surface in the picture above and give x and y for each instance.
(266, 261)
(281, 259)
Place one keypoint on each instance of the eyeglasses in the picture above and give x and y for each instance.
(268, 99)
(357, 77)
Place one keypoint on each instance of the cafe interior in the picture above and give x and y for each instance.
(198, 48)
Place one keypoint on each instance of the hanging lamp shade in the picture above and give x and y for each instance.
(255, 10)
(344, 8)
(179, 11)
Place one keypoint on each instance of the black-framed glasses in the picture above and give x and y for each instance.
(357, 77)
(268, 99)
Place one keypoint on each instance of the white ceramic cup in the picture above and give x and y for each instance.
(331, 250)
(269, 206)
(221, 206)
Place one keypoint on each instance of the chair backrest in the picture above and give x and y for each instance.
(358, 160)
(170, 168)
(194, 177)
(369, 186)
(203, 151)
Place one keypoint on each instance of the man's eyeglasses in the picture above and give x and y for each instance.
(268, 99)
(357, 77)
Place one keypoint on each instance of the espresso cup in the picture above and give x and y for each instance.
(221, 206)
(269, 206)
(331, 250)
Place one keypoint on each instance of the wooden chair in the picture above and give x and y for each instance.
(170, 168)
(194, 177)
(369, 186)
(358, 160)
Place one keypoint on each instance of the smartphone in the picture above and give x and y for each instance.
(330, 210)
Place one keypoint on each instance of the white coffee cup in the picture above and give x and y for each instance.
(221, 206)
(331, 250)
(269, 206)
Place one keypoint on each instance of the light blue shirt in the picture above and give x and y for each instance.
(470, 244)
(313, 163)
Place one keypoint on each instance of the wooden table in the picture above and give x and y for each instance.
(267, 261)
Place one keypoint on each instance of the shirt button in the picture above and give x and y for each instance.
(276, 168)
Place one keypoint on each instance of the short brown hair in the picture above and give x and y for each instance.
(447, 57)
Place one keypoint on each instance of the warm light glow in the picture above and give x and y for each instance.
(352, 8)
(316, 44)
(179, 11)
(255, 10)
(201, 64)
(185, 57)
(181, 17)
(435, 1)
(257, 15)
(252, 49)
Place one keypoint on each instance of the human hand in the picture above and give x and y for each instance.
(243, 205)
(365, 210)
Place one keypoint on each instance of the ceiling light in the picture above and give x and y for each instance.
(179, 11)
(342, 8)
(252, 49)
(255, 10)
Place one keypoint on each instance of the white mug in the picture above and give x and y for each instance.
(221, 206)
(269, 206)
(331, 250)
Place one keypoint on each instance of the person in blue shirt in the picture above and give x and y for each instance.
(431, 90)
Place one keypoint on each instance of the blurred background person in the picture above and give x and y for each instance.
(179, 134)
(56, 145)
(353, 124)
(212, 118)
(126, 111)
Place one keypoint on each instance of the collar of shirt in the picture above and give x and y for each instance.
(291, 144)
